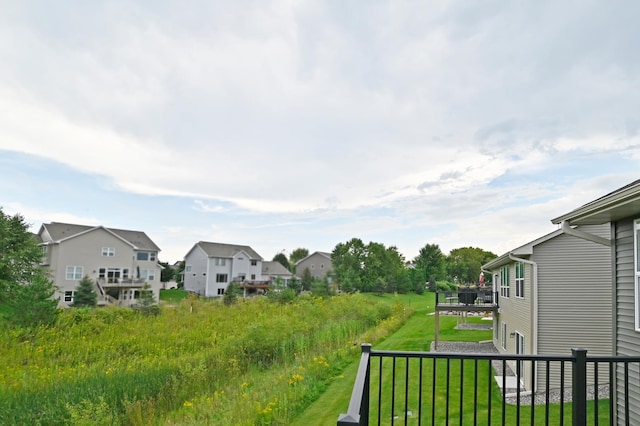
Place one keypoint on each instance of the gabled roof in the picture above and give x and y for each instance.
(227, 250)
(60, 232)
(621, 203)
(523, 250)
(321, 253)
(274, 268)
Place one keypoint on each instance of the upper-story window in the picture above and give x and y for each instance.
(108, 251)
(187, 268)
(146, 255)
(637, 273)
(519, 279)
(254, 262)
(220, 261)
(504, 281)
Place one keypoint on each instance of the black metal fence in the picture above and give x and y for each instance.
(431, 388)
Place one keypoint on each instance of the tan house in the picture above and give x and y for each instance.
(119, 262)
(553, 296)
(318, 263)
(274, 271)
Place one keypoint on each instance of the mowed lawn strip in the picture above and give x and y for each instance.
(416, 335)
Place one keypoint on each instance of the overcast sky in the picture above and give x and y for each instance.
(286, 124)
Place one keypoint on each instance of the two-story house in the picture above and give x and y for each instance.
(620, 208)
(274, 271)
(209, 267)
(118, 261)
(318, 263)
(554, 295)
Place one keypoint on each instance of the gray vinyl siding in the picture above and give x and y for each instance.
(574, 297)
(627, 339)
(196, 279)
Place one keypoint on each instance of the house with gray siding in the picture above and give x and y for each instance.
(209, 268)
(318, 263)
(120, 262)
(553, 295)
(274, 271)
(621, 209)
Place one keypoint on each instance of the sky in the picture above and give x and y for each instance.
(288, 124)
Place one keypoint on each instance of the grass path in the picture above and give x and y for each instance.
(415, 335)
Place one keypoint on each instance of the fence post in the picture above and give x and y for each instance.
(358, 412)
(579, 386)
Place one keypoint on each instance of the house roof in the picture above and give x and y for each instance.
(321, 253)
(60, 232)
(523, 250)
(621, 203)
(274, 268)
(227, 250)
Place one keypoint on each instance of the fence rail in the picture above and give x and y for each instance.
(429, 388)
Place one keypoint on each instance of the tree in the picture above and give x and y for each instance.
(348, 264)
(178, 274)
(85, 296)
(231, 294)
(282, 259)
(167, 273)
(306, 279)
(26, 292)
(464, 264)
(295, 256)
(431, 261)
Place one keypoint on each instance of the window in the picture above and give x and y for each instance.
(148, 274)
(108, 251)
(221, 278)
(187, 268)
(221, 292)
(253, 277)
(146, 256)
(504, 281)
(254, 263)
(220, 261)
(637, 274)
(68, 296)
(75, 272)
(520, 279)
(504, 336)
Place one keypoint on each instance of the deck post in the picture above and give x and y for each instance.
(579, 387)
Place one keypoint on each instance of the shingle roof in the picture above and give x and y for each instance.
(227, 250)
(62, 231)
(274, 268)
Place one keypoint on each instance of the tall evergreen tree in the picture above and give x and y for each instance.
(85, 296)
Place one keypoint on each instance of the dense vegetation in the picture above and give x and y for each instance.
(253, 362)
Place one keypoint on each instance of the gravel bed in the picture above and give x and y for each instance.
(511, 394)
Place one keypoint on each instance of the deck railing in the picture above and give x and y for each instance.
(429, 388)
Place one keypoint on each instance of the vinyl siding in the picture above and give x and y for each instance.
(627, 339)
(196, 279)
(574, 303)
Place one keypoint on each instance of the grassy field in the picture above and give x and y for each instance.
(254, 363)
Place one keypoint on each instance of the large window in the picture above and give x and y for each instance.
(148, 274)
(254, 263)
(74, 272)
(519, 279)
(146, 255)
(637, 274)
(504, 281)
(221, 278)
(220, 261)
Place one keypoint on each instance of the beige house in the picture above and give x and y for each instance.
(554, 295)
(318, 263)
(209, 268)
(119, 262)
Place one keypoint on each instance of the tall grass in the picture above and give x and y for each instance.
(256, 362)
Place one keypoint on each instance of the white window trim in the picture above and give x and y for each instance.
(636, 275)
(519, 281)
(74, 274)
(504, 283)
(108, 251)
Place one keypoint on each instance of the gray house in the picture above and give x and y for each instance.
(209, 268)
(553, 295)
(621, 209)
(120, 262)
(318, 263)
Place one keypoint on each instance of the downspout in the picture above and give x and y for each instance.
(534, 300)
(567, 229)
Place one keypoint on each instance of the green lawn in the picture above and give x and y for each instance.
(173, 295)
(416, 335)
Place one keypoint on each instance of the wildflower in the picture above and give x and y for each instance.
(187, 404)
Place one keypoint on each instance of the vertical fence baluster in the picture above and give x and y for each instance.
(448, 393)
(489, 390)
(504, 391)
(420, 394)
(379, 390)
(406, 391)
(393, 390)
(561, 393)
(433, 394)
(461, 389)
(533, 392)
(596, 398)
(475, 391)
